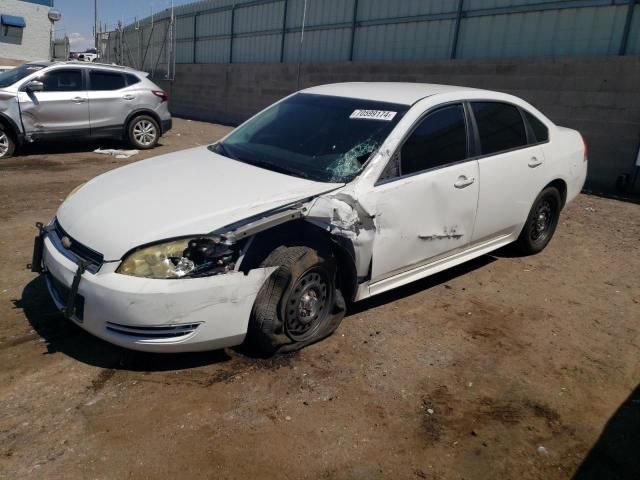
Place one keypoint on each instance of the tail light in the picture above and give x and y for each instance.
(162, 94)
(586, 148)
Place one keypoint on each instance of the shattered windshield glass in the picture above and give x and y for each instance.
(16, 74)
(319, 137)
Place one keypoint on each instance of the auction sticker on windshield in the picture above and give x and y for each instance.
(385, 115)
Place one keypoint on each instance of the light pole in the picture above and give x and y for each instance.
(95, 26)
(54, 15)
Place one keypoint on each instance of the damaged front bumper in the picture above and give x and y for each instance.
(180, 315)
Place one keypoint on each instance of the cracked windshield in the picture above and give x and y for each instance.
(318, 137)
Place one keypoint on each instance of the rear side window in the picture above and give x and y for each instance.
(106, 80)
(440, 139)
(539, 129)
(132, 79)
(500, 126)
(63, 80)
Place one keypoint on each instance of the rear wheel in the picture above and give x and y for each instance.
(143, 132)
(541, 223)
(7, 145)
(299, 304)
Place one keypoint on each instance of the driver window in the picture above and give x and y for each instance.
(439, 140)
(63, 80)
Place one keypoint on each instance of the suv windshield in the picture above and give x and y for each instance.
(320, 137)
(16, 74)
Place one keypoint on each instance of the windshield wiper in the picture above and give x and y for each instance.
(222, 150)
(277, 168)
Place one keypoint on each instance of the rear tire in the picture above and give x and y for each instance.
(143, 132)
(541, 222)
(298, 305)
(7, 145)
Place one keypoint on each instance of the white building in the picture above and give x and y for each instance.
(24, 30)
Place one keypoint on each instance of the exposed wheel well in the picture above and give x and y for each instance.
(561, 186)
(303, 233)
(9, 128)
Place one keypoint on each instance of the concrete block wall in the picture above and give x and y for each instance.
(599, 96)
(35, 36)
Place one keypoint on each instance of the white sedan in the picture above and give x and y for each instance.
(337, 192)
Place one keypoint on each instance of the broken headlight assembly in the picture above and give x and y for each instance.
(183, 258)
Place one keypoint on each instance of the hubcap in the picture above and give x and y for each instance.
(542, 220)
(4, 144)
(307, 305)
(144, 132)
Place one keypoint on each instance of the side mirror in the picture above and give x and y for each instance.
(34, 86)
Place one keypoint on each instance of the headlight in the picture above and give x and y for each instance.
(188, 257)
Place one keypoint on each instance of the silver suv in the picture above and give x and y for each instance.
(43, 100)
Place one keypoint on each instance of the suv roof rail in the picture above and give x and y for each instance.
(98, 64)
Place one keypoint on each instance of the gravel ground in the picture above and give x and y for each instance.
(505, 367)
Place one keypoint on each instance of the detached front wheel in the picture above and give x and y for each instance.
(143, 132)
(299, 304)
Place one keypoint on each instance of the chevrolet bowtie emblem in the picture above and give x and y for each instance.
(66, 242)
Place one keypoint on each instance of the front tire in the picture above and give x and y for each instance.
(541, 222)
(7, 145)
(299, 304)
(143, 132)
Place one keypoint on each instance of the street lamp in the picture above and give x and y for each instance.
(54, 15)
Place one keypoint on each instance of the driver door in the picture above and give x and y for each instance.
(61, 108)
(427, 197)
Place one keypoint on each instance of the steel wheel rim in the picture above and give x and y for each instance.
(144, 132)
(4, 144)
(307, 305)
(542, 220)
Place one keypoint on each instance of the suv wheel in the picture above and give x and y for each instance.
(143, 132)
(7, 145)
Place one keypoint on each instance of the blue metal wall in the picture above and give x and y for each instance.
(268, 31)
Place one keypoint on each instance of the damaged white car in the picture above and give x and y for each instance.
(338, 192)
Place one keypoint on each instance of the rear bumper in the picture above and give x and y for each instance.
(166, 125)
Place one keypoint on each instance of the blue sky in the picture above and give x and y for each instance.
(77, 16)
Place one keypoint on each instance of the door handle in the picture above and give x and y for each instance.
(129, 97)
(78, 99)
(534, 162)
(463, 181)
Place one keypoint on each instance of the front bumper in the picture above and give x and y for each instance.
(153, 315)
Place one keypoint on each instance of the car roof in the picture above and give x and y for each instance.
(75, 63)
(392, 92)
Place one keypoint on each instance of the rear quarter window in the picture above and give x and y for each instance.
(131, 79)
(539, 129)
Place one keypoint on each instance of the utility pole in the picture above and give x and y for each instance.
(95, 23)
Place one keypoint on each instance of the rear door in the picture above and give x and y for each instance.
(61, 108)
(110, 101)
(512, 168)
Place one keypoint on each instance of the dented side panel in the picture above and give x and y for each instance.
(342, 216)
(423, 217)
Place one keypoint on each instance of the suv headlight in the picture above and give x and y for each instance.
(186, 257)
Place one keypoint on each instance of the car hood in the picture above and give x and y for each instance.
(189, 192)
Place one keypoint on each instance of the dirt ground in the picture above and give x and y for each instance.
(506, 367)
